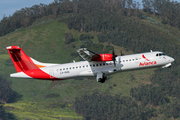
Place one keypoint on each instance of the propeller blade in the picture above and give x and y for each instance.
(114, 64)
(114, 58)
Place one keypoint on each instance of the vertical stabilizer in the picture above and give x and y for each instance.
(21, 61)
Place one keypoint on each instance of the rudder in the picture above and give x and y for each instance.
(21, 61)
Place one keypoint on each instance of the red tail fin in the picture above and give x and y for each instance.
(21, 61)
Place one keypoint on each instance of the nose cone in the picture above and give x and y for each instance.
(171, 59)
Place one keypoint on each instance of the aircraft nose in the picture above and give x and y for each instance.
(171, 59)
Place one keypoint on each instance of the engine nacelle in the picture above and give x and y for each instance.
(104, 57)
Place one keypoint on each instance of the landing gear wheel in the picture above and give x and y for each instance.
(101, 77)
(101, 80)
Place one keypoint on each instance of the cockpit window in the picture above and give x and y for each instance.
(160, 54)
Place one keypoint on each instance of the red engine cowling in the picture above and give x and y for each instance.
(103, 57)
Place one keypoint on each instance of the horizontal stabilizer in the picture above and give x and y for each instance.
(19, 75)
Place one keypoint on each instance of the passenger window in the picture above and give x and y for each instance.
(126, 60)
(76, 67)
(86, 65)
(96, 64)
(93, 65)
(73, 67)
(104, 64)
(123, 60)
(160, 54)
(136, 58)
(63, 68)
(129, 59)
(83, 66)
(156, 54)
(100, 64)
(66, 68)
(60, 69)
(70, 68)
(79, 66)
(133, 59)
(90, 65)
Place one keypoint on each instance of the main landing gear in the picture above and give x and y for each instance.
(102, 80)
(101, 77)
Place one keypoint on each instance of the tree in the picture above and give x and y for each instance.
(6, 93)
(104, 106)
(69, 38)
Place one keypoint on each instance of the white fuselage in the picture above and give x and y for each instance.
(123, 63)
(97, 65)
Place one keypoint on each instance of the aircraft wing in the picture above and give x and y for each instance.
(87, 54)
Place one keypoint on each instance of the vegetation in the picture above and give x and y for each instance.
(42, 110)
(6, 95)
(167, 10)
(104, 106)
(99, 25)
(5, 115)
(68, 38)
(128, 31)
(172, 109)
(28, 16)
(149, 94)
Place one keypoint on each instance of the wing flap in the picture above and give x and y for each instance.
(87, 54)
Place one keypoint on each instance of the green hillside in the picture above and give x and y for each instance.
(99, 26)
(46, 43)
(37, 44)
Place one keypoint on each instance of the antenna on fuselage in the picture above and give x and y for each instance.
(151, 50)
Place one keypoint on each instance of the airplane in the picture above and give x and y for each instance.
(95, 65)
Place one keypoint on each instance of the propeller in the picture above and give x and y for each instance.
(114, 58)
(121, 53)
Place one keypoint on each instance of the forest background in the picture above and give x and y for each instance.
(100, 25)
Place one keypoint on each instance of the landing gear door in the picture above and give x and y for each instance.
(51, 73)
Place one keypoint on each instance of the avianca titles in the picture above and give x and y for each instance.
(95, 65)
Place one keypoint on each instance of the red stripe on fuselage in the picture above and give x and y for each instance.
(39, 74)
